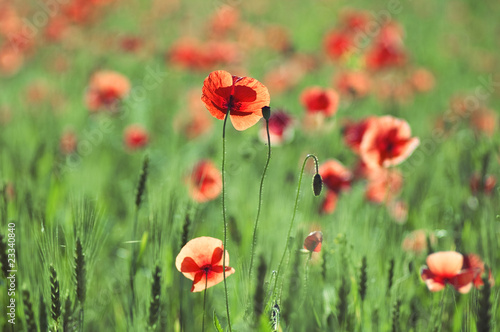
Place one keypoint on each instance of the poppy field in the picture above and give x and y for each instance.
(249, 166)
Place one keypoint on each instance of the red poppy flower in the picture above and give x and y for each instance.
(201, 261)
(474, 262)
(387, 50)
(336, 177)
(188, 53)
(353, 133)
(313, 241)
(280, 128)
(106, 88)
(383, 185)
(353, 83)
(244, 97)
(338, 43)
(205, 182)
(387, 142)
(135, 137)
(317, 99)
(330, 202)
(446, 267)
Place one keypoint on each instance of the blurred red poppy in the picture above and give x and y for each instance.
(135, 137)
(243, 97)
(353, 132)
(336, 177)
(355, 84)
(205, 182)
(201, 261)
(330, 202)
(387, 142)
(188, 53)
(317, 99)
(106, 89)
(280, 128)
(338, 43)
(473, 261)
(446, 267)
(387, 50)
(383, 185)
(313, 241)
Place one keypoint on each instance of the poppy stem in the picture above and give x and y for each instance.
(293, 217)
(307, 275)
(224, 209)
(254, 238)
(204, 302)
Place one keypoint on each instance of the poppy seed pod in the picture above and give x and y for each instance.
(266, 112)
(317, 184)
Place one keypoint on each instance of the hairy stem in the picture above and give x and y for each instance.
(293, 217)
(224, 209)
(254, 237)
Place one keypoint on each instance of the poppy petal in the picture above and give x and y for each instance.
(445, 264)
(313, 241)
(200, 251)
(406, 149)
(216, 90)
(188, 265)
(330, 203)
(213, 278)
(217, 255)
(197, 278)
(243, 122)
(433, 282)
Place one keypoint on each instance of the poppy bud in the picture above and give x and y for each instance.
(266, 112)
(317, 184)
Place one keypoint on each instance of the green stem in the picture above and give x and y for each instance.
(224, 210)
(254, 237)
(204, 302)
(307, 276)
(293, 218)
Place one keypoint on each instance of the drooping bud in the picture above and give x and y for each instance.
(317, 184)
(266, 112)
